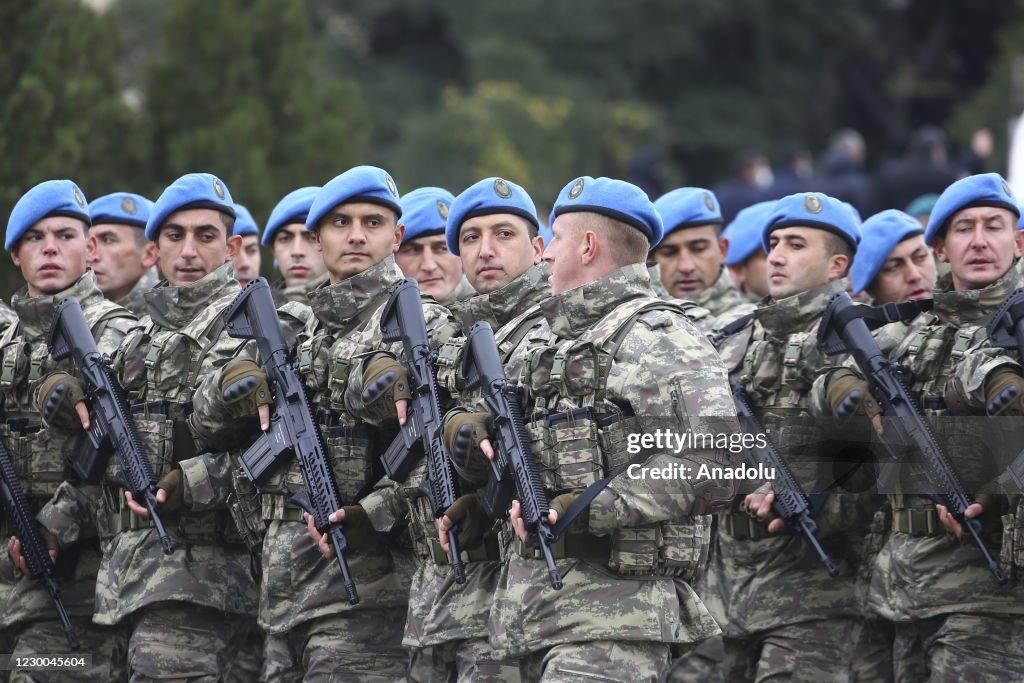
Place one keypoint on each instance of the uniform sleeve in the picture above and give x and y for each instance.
(207, 480)
(71, 513)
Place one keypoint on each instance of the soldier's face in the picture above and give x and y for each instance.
(907, 274)
(497, 249)
(355, 236)
(297, 254)
(428, 261)
(751, 276)
(797, 261)
(691, 260)
(119, 255)
(51, 254)
(247, 260)
(980, 245)
(193, 243)
(566, 253)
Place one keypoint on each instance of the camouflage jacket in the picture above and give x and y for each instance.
(441, 610)
(950, 350)
(723, 299)
(42, 456)
(135, 300)
(296, 293)
(703, 319)
(7, 316)
(756, 581)
(463, 290)
(638, 364)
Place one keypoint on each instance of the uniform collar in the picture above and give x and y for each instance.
(337, 305)
(795, 313)
(975, 306)
(573, 312)
(720, 297)
(35, 313)
(174, 306)
(505, 303)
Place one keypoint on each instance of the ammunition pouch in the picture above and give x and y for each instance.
(244, 506)
(41, 456)
(1011, 554)
(742, 527)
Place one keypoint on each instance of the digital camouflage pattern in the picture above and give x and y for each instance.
(703, 319)
(42, 459)
(723, 299)
(7, 316)
(642, 539)
(296, 293)
(135, 300)
(463, 290)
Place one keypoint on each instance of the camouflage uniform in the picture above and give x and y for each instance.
(703, 319)
(42, 459)
(447, 623)
(953, 622)
(7, 316)
(723, 299)
(610, 345)
(191, 612)
(297, 293)
(781, 613)
(463, 290)
(135, 300)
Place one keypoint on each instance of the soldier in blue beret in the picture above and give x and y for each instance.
(247, 260)
(691, 255)
(424, 254)
(123, 260)
(46, 235)
(893, 264)
(296, 254)
(745, 258)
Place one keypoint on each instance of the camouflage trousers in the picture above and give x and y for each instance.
(362, 645)
(609, 661)
(811, 651)
(105, 645)
(872, 652)
(179, 641)
(463, 660)
(960, 647)
(702, 662)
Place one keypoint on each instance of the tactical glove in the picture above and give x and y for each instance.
(468, 514)
(244, 387)
(462, 433)
(173, 483)
(1004, 394)
(849, 395)
(385, 381)
(357, 527)
(58, 395)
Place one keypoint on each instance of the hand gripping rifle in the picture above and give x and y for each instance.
(844, 330)
(513, 467)
(111, 426)
(252, 315)
(33, 547)
(403, 321)
(791, 503)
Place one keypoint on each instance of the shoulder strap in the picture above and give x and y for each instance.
(730, 329)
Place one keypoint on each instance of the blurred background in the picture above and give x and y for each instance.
(751, 97)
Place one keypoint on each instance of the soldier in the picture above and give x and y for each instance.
(247, 260)
(46, 236)
(629, 360)
(492, 227)
(123, 260)
(745, 258)
(190, 612)
(783, 615)
(953, 622)
(424, 256)
(296, 252)
(312, 629)
(691, 253)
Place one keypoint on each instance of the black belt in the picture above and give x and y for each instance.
(162, 407)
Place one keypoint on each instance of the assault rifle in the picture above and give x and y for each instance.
(111, 427)
(292, 432)
(403, 321)
(513, 469)
(33, 547)
(844, 330)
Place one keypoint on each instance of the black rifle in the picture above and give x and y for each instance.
(513, 467)
(402, 321)
(33, 547)
(293, 431)
(111, 427)
(791, 502)
(843, 330)
(1006, 331)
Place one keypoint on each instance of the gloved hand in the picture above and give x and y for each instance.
(1004, 394)
(468, 513)
(385, 381)
(57, 397)
(359, 532)
(849, 395)
(462, 433)
(244, 387)
(174, 485)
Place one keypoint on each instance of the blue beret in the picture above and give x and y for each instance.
(986, 189)
(48, 198)
(812, 210)
(360, 184)
(1020, 221)
(244, 222)
(191, 191)
(923, 205)
(487, 197)
(879, 235)
(744, 233)
(293, 208)
(121, 208)
(616, 199)
(688, 207)
(425, 211)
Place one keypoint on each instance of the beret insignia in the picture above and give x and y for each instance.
(128, 206)
(442, 209)
(577, 189)
(502, 189)
(391, 186)
(79, 199)
(812, 204)
(709, 202)
(218, 190)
